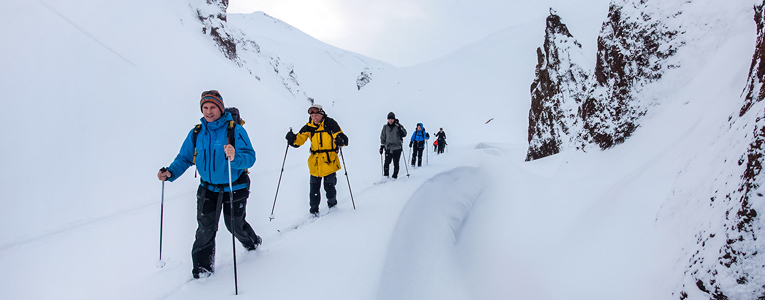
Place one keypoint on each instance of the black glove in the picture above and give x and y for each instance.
(410, 144)
(395, 122)
(341, 140)
(290, 137)
(382, 148)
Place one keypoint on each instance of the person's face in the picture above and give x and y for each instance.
(211, 112)
(390, 121)
(419, 127)
(316, 116)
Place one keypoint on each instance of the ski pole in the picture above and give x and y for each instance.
(382, 165)
(410, 155)
(233, 228)
(406, 163)
(161, 264)
(280, 181)
(427, 157)
(346, 176)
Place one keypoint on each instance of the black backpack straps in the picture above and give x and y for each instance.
(194, 135)
(231, 132)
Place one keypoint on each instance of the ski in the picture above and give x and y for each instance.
(384, 180)
(303, 222)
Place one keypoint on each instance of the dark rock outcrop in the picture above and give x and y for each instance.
(633, 48)
(559, 86)
(364, 78)
(213, 18)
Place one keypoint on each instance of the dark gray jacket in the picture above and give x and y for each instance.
(392, 136)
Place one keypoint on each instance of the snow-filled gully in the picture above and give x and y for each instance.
(425, 237)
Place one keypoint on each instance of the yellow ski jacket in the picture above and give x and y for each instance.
(323, 159)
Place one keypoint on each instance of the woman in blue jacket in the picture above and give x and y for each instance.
(208, 146)
(418, 141)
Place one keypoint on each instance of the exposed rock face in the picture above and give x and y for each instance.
(558, 89)
(598, 107)
(633, 47)
(364, 78)
(213, 18)
(242, 50)
(727, 263)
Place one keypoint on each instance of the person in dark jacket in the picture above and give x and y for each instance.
(391, 142)
(417, 143)
(326, 139)
(441, 140)
(210, 153)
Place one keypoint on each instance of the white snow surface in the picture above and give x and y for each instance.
(98, 95)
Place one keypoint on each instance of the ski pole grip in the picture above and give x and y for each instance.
(163, 169)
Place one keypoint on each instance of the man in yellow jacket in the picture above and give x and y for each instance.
(326, 139)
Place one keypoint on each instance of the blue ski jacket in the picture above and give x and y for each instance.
(419, 135)
(211, 158)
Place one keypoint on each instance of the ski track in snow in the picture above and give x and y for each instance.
(88, 34)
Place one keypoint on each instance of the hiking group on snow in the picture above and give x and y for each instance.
(221, 150)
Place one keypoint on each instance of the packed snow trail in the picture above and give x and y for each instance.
(422, 261)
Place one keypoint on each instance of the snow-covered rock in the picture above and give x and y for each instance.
(727, 262)
(634, 45)
(559, 88)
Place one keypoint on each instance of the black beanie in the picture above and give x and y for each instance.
(391, 115)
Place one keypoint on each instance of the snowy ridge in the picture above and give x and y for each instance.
(265, 48)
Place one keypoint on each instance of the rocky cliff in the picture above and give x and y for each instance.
(633, 47)
(576, 108)
(559, 88)
(727, 262)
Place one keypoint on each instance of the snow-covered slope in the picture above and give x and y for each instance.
(100, 94)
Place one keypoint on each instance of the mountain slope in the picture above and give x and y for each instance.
(109, 89)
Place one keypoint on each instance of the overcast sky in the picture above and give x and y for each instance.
(409, 32)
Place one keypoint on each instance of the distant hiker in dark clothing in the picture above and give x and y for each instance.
(208, 146)
(326, 138)
(441, 140)
(391, 140)
(417, 142)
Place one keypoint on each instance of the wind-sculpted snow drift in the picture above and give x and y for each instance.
(424, 239)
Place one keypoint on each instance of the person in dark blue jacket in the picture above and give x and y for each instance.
(418, 143)
(209, 152)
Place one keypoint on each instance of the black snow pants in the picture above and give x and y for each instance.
(209, 206)
(417, 152)
(329, 188)
(394, 156)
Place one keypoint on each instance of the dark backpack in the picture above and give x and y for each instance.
(236, 119)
